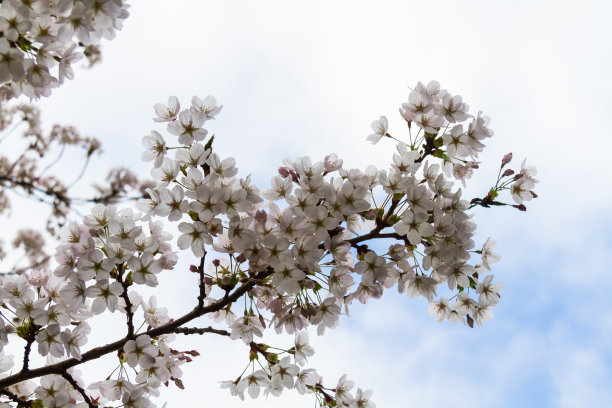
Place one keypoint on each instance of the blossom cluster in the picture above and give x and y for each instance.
(41, 39)
(293, 255)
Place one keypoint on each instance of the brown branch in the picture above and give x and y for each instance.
(21, 403)
(28, 347)
(128, 302)
(381, 223)
(201, 330)
(372, 235)
(201, 283)
(170, 327)
(428, 149)
(77, 387)
(29, 186)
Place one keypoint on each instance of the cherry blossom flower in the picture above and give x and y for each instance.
(167, 113)
(379, 127)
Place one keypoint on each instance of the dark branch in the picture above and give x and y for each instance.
(372, 235)
(28, 347)
(201, 283)
(201, 330)
(170, 327)
(77, 387)
(21, 403)
(128, 302)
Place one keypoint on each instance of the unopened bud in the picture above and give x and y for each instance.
(370, 214)
(216, 262)
(533, 194)
(508, 172)
(309, 283)
(521, 207)
(283, 171)
(193, 268)
(506, 159)
(241, 258)
(261, 216)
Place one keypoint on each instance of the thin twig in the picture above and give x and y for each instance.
(128, 303)
(77, 387)
(201, 330)
(169, 327)
(28, 347)
(201, 283)
(21, 403)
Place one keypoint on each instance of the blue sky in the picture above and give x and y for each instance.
(307, 78)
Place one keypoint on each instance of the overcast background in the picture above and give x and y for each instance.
(307, 78)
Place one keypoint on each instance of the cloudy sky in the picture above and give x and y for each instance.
(307, 78)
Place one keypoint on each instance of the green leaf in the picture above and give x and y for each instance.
(439, 142)
(441, 154)
(208, 144)
(394, 219)
(24, 44)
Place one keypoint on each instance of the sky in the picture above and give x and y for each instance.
(307, 79)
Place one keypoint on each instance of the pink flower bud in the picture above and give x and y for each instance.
(407, 115)
(506, 159)
(261, 216)
(283, 171)
(216, 262)
(370, 214)
(508, 172)
(193, 268)
(241, 258)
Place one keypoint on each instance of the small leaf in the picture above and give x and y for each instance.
(208, 144)
(394, 219)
